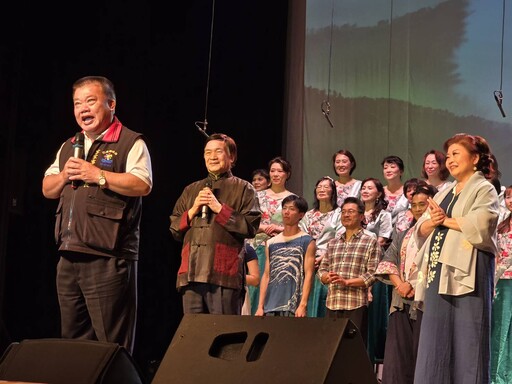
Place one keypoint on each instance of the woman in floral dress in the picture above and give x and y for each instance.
(322, 223)
(271, 222)
(501, 325)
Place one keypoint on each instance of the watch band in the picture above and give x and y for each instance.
(102, 182)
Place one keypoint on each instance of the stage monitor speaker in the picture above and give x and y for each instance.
(254, 350)
(65, 361)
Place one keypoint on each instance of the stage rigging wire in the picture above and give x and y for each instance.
(390, 50)
(326, 106)
(202, 125)
(498, 95)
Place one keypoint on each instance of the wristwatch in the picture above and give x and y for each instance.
(102, 182)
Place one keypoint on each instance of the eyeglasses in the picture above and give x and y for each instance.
(325, 186)
(349, 212)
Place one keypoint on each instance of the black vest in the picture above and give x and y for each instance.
(94, 220)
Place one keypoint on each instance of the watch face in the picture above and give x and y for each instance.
(102, 181)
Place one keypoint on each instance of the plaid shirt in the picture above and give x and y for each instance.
(357, 257)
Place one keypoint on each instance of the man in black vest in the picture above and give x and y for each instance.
(100, 183)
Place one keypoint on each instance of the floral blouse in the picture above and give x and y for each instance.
(271, 213)
(399, 264)
(399, 260)
(396, 204)
(345, 190)
(403, 220)
(504, 260)
(322, 227)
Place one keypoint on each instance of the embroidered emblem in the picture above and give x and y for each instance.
(106, 160)
(434, 257)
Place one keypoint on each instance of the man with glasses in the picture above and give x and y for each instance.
(348, 267)
(212, 217)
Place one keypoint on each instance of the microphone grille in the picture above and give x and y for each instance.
(79, 139)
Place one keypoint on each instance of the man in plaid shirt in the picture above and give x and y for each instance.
(348, 267)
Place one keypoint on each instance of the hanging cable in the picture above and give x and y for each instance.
(498, 95)
(202, 125)
(326, 106)
(390, 60)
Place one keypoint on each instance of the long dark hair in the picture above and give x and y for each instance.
(381, 203)
(334, 194)
(441, 160)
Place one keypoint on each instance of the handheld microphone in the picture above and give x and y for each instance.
(78, 151)
(204, 208)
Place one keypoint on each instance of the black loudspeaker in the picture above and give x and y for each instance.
(65, 361)
(250, 349)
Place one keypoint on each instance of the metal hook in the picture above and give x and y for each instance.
(326, 110)
(202, 128)
(498, 96)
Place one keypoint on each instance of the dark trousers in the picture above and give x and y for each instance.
(210, 298)
(358, 316)
(401, 347)
(97, 298)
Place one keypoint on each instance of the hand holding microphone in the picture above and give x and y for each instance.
(204, 208)
(78, 152)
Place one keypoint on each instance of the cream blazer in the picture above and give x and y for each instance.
(476, 212)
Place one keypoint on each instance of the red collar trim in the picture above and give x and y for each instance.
(113, 132)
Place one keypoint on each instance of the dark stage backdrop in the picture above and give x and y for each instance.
(158, 60)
